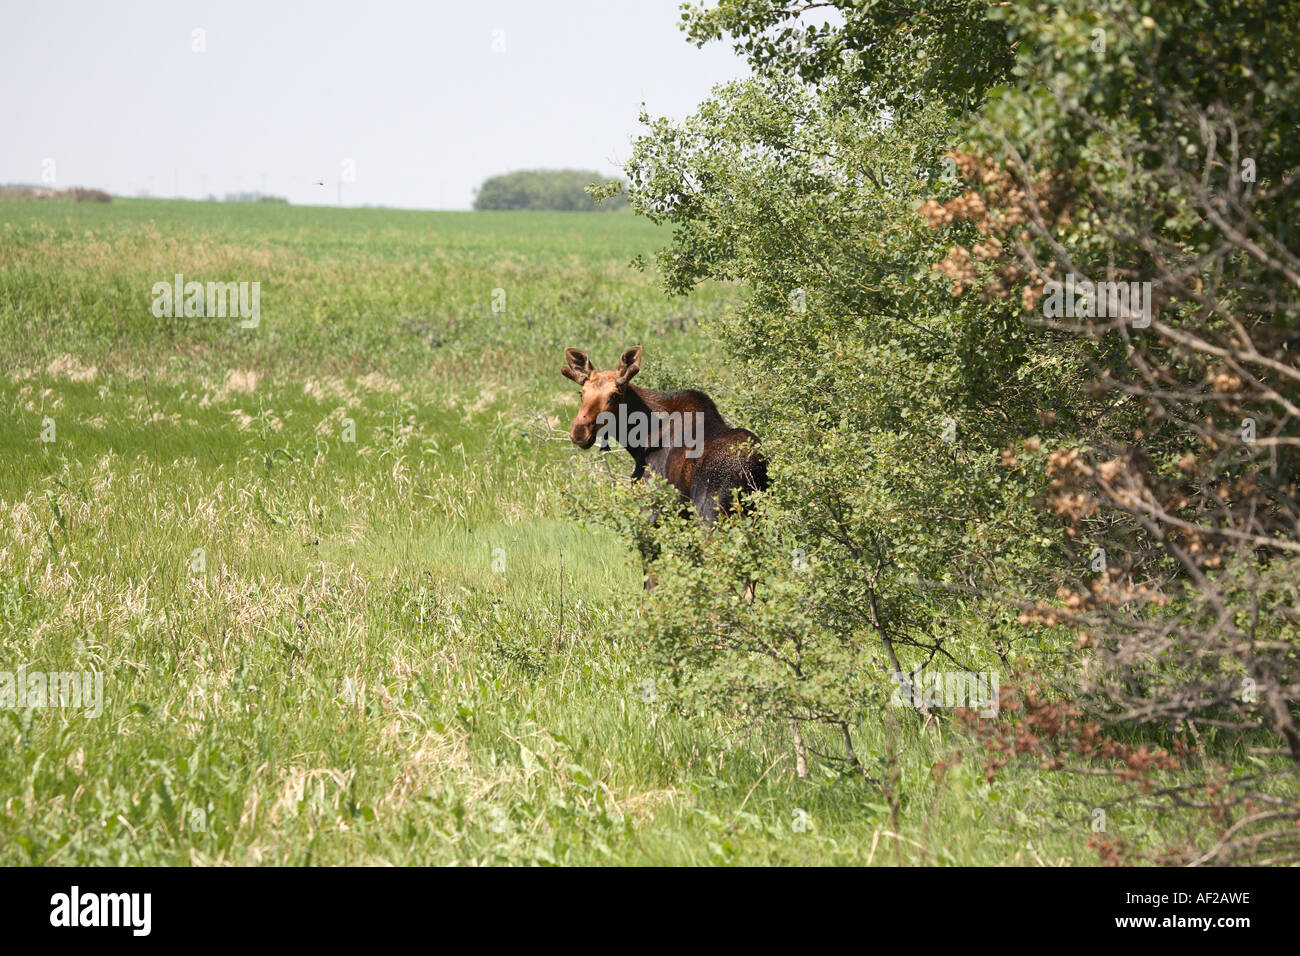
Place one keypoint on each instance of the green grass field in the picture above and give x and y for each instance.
(396, 649)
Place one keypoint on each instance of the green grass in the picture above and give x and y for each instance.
(399, 649)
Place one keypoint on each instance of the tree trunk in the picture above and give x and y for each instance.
(849, 753)
(800, 752)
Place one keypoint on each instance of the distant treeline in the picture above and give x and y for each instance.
(561, 190)
(75, 194)
(252, 197)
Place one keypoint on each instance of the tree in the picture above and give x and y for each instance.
(1148, 160)
(882, 401)
(560, 190)
(905, 193)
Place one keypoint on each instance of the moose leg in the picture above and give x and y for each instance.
(706, 503)
(711, 488)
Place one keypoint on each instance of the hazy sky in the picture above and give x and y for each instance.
(424, 98)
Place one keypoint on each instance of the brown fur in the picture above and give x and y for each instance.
(729, 465)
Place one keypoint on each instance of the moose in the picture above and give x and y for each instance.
(680, 436)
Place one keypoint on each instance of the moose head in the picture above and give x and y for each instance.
(601, 391)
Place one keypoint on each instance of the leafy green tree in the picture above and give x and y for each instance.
(884, 402)
(1151, 149)
(896, 188)
(558, 190)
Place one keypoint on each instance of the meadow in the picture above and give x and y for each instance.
(330, 571)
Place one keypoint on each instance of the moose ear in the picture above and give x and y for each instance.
(577, 366)
(628, 365)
